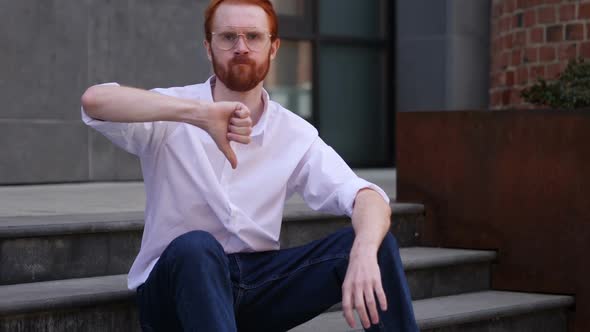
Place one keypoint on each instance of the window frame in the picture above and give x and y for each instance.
(306, 28)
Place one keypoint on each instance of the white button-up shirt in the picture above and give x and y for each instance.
(190, 185)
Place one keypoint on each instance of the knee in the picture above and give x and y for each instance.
(389, 246)
(194, 246)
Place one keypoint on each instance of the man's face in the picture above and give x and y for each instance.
(246, 64)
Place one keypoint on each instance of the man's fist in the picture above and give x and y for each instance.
(228, 121)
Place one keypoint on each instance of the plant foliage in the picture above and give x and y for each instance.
(570, 91)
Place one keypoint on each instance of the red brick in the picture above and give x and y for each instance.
(553, 71)
(510, 78)
(546, 53)
(554, 33)
(516, 57)
(497, 10)
(493, 80)
(531, 55)
(496, 98)
(568, 51)
(515, 97)
(508, 41)
(552, 2)
(584, 11)
(537, 72)
(567, 12)
(546, 15)
(574, 31)
(496, 44)
(510, 5)
(505, 60)
(585, 50)
(506, 97)
(519, 39)
(536, 35)
(529, 18)
(496, 63)
(522, 75)
(504, 24)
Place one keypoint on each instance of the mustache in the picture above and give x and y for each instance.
(241, 60)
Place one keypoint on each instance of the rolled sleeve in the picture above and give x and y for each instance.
(135, 138)
(326, 182)
(347, 194)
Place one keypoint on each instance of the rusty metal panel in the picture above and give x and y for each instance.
(515, 181)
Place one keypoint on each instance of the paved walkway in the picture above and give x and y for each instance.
(107, 197)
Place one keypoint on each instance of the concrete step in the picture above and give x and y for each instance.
(37, 303)
(54, 247)
(479, 311)
(89, 304)
(104, 304)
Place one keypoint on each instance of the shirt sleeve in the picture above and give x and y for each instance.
(136, 138)
(325, 181)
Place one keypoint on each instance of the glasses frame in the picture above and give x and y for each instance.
(242, 34)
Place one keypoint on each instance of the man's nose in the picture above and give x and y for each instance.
(241, 46)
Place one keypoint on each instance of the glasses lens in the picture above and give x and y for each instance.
(255, 40)
(227, 39)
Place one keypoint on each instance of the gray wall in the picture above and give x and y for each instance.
(442, 54)
(52, 50)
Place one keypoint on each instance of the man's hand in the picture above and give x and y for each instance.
(362, 288)
(225, 122)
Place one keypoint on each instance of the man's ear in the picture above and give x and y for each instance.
(208, 49)
(274, 48)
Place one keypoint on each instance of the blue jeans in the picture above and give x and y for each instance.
(196, 286)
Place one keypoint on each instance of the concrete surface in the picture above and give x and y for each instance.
(113, 197)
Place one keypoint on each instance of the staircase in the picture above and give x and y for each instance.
(68, 273)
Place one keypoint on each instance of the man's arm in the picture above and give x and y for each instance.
(371, 221)
(224, 121)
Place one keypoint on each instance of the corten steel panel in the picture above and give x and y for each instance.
(516, 181)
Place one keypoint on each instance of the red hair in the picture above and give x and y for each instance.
(264, 4)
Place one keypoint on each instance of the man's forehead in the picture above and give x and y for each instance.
(241, 16)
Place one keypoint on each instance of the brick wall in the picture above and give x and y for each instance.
(534, 39)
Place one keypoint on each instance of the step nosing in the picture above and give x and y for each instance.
(443, 257)
(22, 226)
(66, 301)
(549, 303)
(457, 310)
(48, 295)
(71, 228)
(442, 262)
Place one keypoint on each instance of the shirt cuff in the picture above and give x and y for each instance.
(350, 190)
(86, 118)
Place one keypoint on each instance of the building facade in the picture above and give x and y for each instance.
(533, 39)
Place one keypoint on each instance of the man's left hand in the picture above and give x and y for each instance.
(362, 287)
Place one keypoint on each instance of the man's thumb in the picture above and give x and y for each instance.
(229, 154)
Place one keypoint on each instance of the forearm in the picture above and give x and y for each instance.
(126, 104)
(371, 217)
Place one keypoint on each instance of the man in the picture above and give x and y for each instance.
(218, 160)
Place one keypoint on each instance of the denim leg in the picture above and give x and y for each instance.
(400, 313)
(189, 288)
(285, 288)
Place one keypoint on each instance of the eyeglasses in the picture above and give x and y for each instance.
(255, 40)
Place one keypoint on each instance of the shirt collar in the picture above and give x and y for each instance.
(259, 129)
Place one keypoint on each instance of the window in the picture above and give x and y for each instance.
(334, 69)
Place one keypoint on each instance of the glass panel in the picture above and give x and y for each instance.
(290, 76)
(289, 7)
(351, 106)
(353, 18)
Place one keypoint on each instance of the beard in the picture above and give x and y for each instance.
(241, 73)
